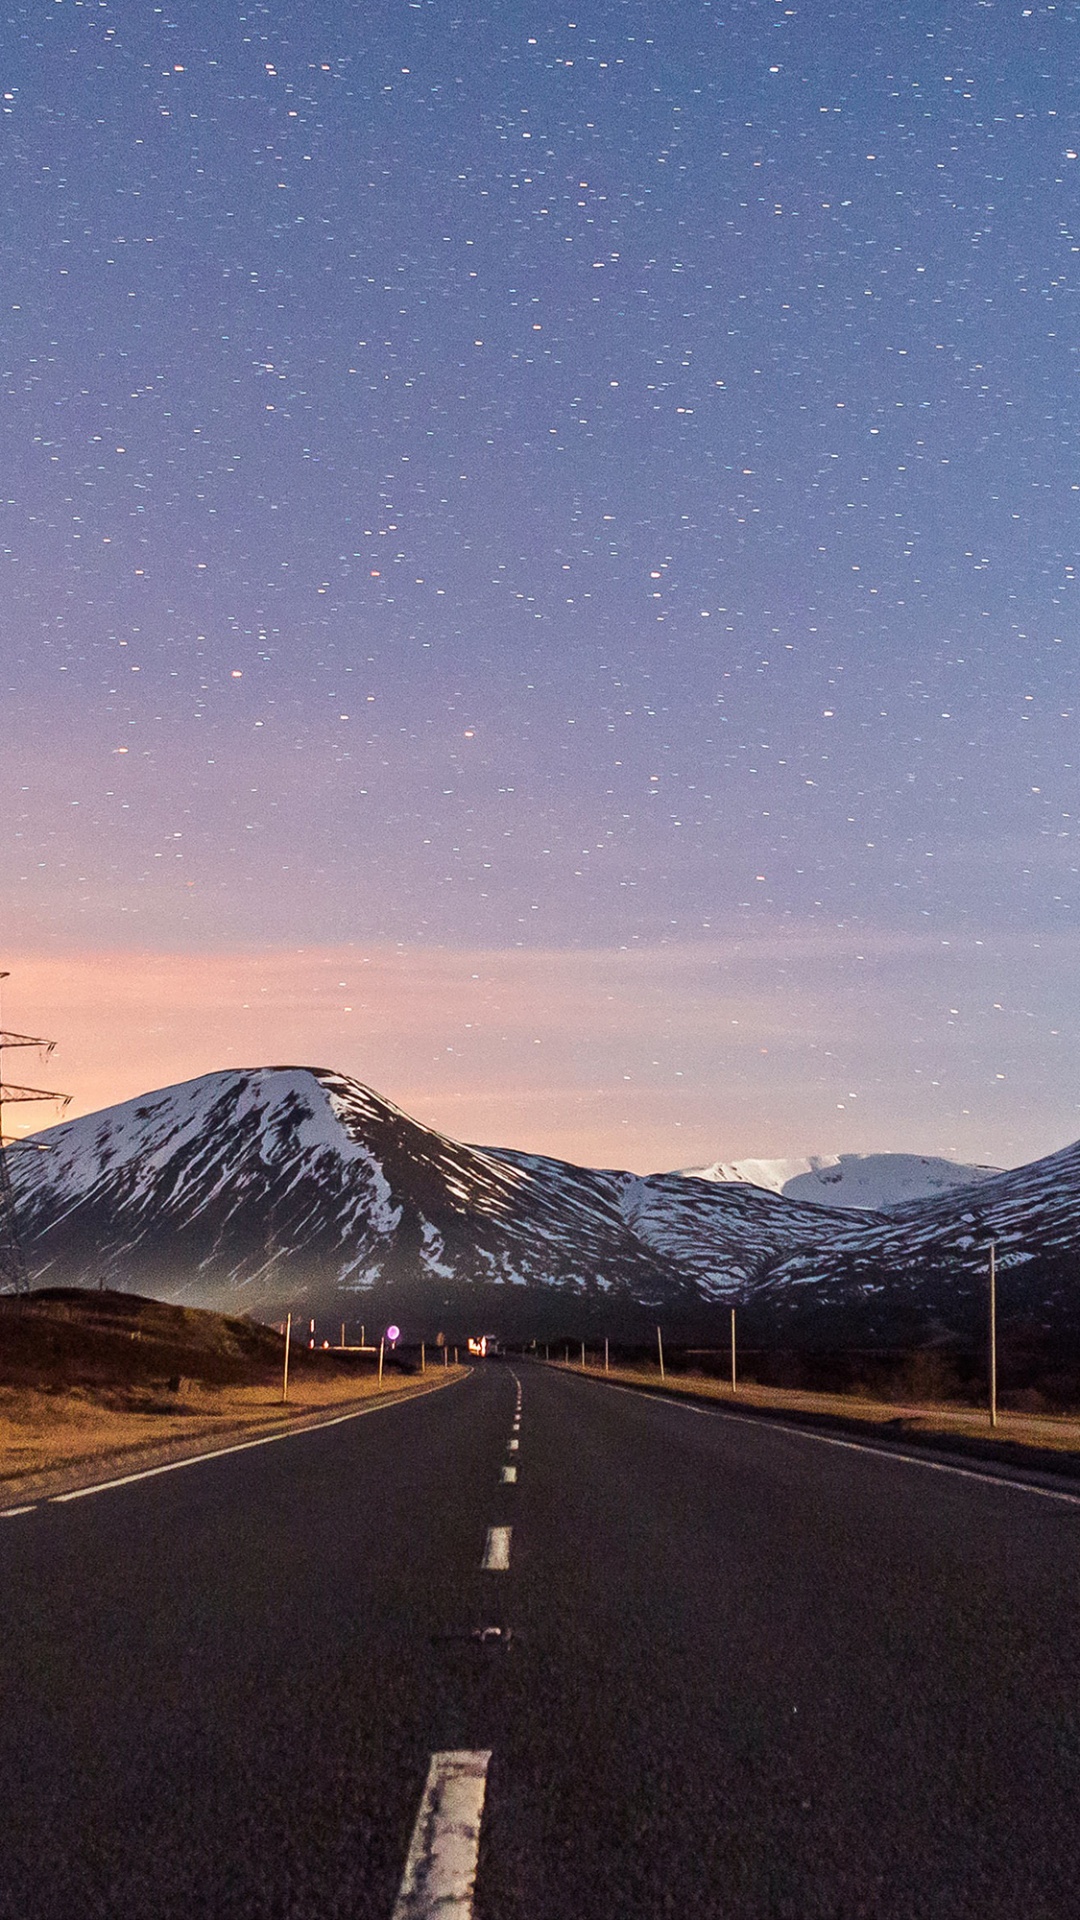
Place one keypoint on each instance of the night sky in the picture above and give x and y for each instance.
(539, 562)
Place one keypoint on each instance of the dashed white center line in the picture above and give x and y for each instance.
(509, 1475)
(497, 1550)
(514, 1445)
(440, 1871)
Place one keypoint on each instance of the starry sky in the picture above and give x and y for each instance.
(538, 562)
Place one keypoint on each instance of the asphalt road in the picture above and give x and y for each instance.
(750, 1675)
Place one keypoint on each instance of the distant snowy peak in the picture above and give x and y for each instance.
(871, 1182)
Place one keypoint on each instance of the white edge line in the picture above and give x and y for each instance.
(10, 1512)
(241, 1446)
(778, 1424)
(440, 1868)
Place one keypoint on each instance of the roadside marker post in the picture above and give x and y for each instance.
(606, 1367)
(343, 1333)
(446, 1356)
(733, 1350)
(660, 1350)
(382, 1345)
(583, 1356)
(285, 1364)
(423, 1359)
(993, 1335)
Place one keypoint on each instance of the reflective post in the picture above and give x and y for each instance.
(285, 1366)
(660, 1350)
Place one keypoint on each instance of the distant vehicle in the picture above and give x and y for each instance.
(482, 1345)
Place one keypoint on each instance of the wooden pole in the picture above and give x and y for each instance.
(660, 1350)
(343, 1333)
(993, 1335)
(732, 1349)
(606, 1367)
(423, 1358)
(382, 1344)
(446, 1356)
(583, 1356)
(285, 1366)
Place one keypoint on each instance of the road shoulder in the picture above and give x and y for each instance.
(892, 1432)
(37, 1481)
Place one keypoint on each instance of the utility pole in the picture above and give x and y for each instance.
(285, 1360)
(993, 1335)
(13, 1278)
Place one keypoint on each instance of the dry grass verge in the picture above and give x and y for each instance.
(1043, 1433)
(95, 1383)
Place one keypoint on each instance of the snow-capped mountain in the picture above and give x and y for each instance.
(280, 1185)
(291, 1186)
(872, 1181)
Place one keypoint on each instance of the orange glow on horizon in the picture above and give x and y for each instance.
(644, 1058)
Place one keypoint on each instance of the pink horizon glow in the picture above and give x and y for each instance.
(645, 1058)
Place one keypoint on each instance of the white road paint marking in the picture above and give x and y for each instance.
(440, 1870)
(497, 1550)
(854, 1446)
(509, 1474)
(242, 1446)
(10, 1512)
(513, 1445)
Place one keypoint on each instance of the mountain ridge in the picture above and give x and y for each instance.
(270, 1187)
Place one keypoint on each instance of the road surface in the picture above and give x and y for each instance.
(742, 1673)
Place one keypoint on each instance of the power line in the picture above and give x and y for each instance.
(13, 1276)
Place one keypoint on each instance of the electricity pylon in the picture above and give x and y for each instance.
(13, 1277)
